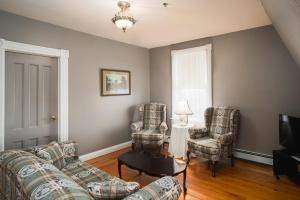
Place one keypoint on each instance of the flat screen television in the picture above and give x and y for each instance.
(289, 133)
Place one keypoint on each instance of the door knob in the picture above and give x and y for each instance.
(53, 118)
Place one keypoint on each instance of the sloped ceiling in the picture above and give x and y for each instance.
(285, 15)
(156, 25)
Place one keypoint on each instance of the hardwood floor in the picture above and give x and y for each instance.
(246, 180)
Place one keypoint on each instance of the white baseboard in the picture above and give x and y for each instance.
(238, 153)
(104, 151)
(253, 156)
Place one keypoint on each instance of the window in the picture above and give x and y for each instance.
(191, 81)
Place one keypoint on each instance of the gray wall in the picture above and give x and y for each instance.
(285, 16)
(253, 71)
(95, 122)
(160, 81)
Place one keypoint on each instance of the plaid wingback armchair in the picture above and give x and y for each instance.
(151, 127)
(217, 139)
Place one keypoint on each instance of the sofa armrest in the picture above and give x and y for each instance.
(161, 189)
(224, 139)
(163, 128)
(136, 126)
(70, 150)
(25, 176)
(198, 132)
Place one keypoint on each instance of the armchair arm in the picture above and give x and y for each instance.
(161, 189)
(198, 132)
(136, 126)
(224, 139)
(163, 127)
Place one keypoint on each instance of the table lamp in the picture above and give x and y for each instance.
(183, 110)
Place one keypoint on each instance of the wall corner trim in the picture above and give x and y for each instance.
(104, 151)
(253, 156)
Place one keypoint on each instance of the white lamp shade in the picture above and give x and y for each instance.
(183, 108)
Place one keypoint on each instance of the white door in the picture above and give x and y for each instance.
(31, 100)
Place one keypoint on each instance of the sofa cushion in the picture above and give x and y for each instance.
(53, 154)
(148, 137)
(35, 149)
(205, 145)
(112, 189)
(84, 173)
(70, 150)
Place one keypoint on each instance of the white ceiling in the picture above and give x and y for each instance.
(156, 25)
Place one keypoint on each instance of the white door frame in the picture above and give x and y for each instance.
(63, 57)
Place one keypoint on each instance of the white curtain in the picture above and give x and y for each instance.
(191, 81)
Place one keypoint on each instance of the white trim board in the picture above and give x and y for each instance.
(104, 151)
(239, 153)
(63, 58)
(253, 156)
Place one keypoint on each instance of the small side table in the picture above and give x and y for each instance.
(178, 142)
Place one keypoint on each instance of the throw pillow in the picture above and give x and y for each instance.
(70, 150)
(112, 189)
(53, 154)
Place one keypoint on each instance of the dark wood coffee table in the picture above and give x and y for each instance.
(154, 166)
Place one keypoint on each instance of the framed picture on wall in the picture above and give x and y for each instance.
(115, 82)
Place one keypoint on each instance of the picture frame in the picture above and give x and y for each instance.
(115, 82)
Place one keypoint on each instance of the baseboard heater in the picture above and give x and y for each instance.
(253, 156)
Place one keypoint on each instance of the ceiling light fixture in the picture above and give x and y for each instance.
(123, 20)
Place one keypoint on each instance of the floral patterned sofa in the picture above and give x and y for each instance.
(31, 174)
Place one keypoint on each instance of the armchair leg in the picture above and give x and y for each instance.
(209, 164)
(232, 160)
(188, 157)
(214, 163)
(231, 156)
(133, 146)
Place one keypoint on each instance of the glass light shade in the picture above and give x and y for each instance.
(183, 108)
(124, 24)
(123, 20)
